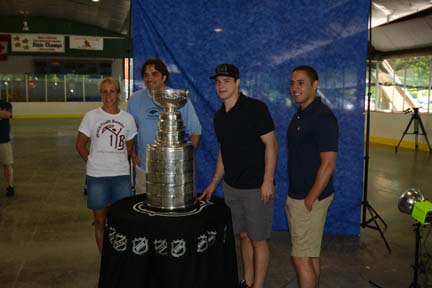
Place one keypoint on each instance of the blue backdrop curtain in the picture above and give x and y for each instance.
(266, 40)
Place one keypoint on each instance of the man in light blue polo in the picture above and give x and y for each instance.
(146, 114)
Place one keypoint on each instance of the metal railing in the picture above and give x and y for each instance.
(50, 87)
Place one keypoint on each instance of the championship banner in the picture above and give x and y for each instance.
(38, 43)
(85, 43)
(4, 41)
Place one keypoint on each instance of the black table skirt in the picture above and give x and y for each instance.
(191, 249)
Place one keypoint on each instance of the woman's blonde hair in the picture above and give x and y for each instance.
(112, 81)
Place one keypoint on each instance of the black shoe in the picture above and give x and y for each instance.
(10, 191)
(243, 284)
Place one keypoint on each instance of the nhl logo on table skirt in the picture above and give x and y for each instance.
(202, 244)
(140, 245)
(211, 237)
(178, 248)
(120, 242)
(161, 247)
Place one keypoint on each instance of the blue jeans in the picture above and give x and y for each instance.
(104, 191)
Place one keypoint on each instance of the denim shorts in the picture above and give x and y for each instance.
(104, 191)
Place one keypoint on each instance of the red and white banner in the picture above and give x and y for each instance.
(4, 42)
(38, 43)
(85, 42)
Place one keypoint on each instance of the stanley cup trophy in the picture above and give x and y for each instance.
(170, 178)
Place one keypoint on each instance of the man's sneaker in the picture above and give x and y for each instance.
(10, 191)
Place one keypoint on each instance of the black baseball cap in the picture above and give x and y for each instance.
(228, 70)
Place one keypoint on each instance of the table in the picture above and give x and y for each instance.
(143, 248)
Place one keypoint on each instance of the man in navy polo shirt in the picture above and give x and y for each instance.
(312, 140)
(246, 161)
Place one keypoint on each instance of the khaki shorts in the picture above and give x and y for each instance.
(306, 227)
(6, 155)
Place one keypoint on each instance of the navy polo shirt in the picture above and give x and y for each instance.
(238, 132)
(310, 132)
(4, 123)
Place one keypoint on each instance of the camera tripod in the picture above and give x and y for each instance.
(415, 117)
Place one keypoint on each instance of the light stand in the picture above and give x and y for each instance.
(416, 265)
(366, 205)
(415, 118)
(413, 203)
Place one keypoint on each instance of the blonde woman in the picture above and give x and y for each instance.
(111, 132)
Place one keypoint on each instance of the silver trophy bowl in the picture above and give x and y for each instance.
(170, 98)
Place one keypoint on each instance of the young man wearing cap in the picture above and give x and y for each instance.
(246, 161)
(146, 114)
(312, 141)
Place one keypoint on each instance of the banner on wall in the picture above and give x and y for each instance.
(4, 42)
(86, 43)
(38, 43)
(266, 44)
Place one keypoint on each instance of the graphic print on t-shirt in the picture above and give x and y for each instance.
(111, 130)
(152, 113)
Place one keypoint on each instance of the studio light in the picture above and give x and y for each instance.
(412, 202)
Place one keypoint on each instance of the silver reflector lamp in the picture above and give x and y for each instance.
(412, 202)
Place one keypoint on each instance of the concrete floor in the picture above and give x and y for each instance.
(46, 236)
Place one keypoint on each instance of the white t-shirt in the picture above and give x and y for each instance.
(108, 134)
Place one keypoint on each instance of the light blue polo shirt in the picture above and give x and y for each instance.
(146, 115)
